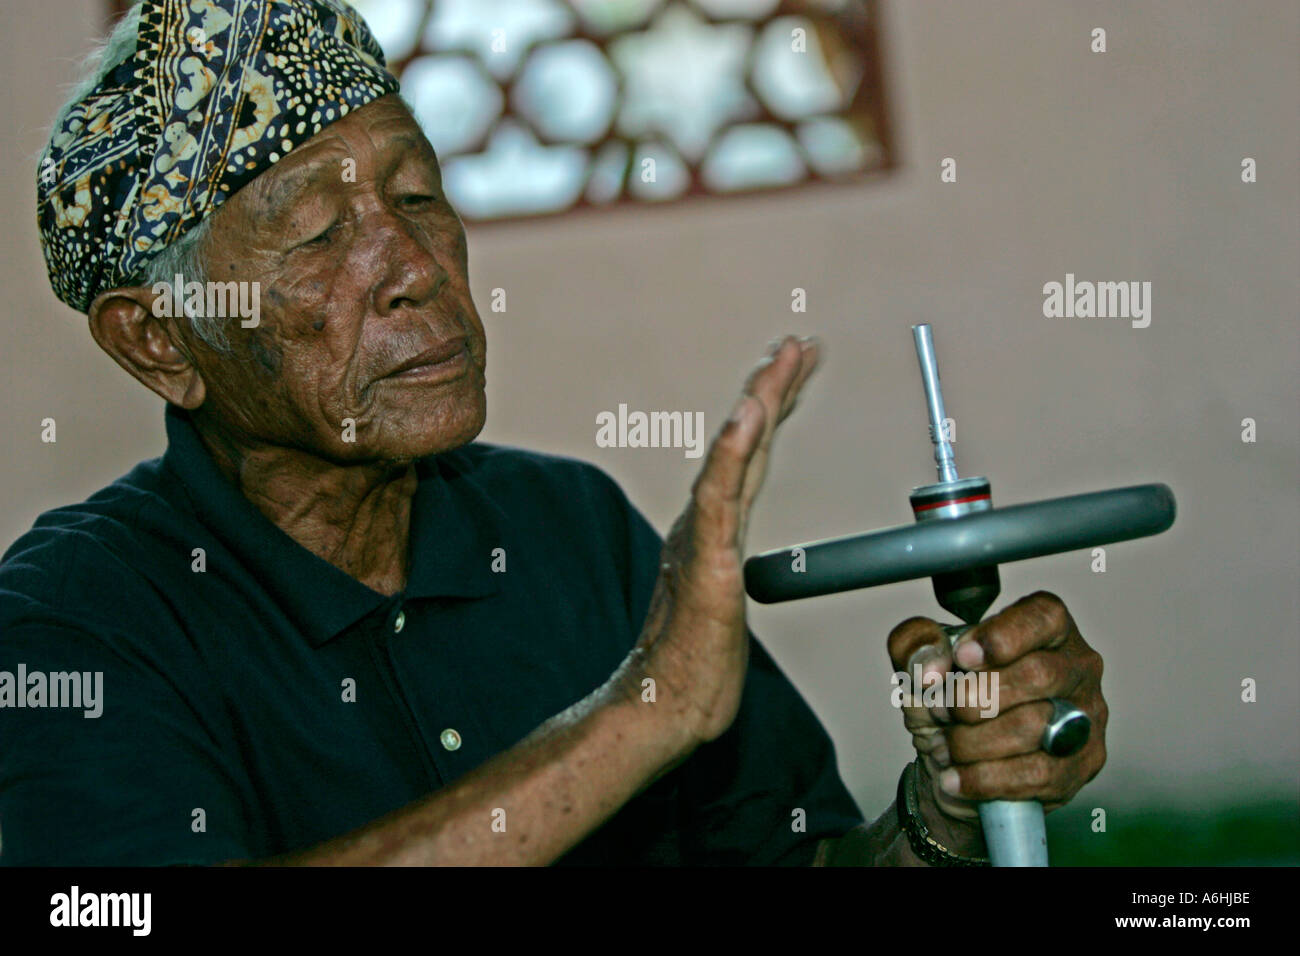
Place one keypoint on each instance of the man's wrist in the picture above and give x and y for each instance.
(633, 691)
(961, 836)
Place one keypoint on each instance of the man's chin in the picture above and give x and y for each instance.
(423, 431)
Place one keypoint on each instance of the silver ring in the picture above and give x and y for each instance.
(1067, 730)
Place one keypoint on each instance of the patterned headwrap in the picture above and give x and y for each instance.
(217, 91)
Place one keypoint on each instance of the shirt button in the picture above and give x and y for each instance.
(399, 622)
(450, 739)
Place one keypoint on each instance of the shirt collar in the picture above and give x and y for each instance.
(454, 528)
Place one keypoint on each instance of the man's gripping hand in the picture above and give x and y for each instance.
(1037, 652)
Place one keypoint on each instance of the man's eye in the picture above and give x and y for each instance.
(415, 201)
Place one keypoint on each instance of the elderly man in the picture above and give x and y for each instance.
(333, 628)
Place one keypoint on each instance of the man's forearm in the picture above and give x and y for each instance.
(528, 804)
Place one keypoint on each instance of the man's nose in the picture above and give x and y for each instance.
(410, 275)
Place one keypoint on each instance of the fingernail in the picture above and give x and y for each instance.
(775, 345)
(927, 653)
(941, 755)
(950, 782)
(970, 654)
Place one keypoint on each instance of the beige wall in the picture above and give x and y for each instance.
(1122, 166)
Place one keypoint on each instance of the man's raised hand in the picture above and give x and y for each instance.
(694, 643)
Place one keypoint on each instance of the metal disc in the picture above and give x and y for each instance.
(985, 538)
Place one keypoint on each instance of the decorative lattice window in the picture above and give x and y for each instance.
(542, 106)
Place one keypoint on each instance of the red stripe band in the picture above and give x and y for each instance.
(952, 501)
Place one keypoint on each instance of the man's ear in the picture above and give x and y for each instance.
(148, 346)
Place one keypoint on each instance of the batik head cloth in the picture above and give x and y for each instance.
(217, 91)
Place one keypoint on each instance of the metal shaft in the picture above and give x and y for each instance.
(1014, 830)
(944, 458)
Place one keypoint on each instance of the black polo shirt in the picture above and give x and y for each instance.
(257, 700)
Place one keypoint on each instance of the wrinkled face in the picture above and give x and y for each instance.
(365, 308)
